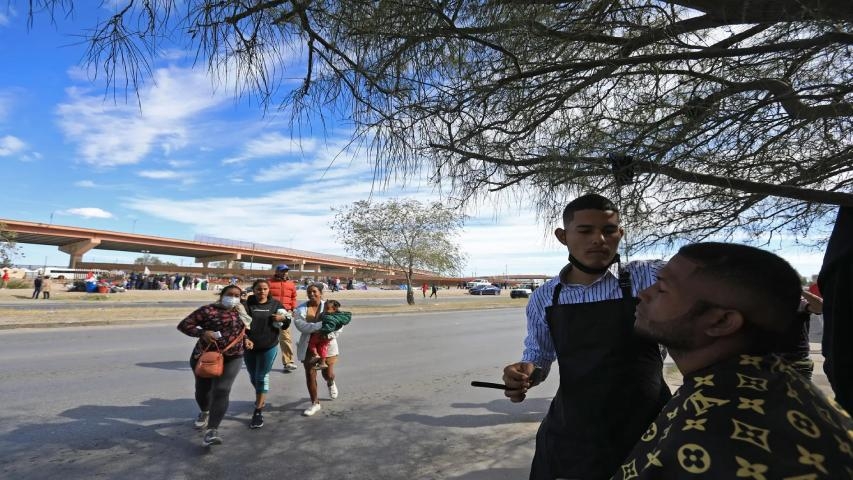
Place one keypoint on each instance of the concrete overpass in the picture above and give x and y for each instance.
(76, 241)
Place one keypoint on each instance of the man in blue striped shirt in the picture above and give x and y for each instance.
(611, 381)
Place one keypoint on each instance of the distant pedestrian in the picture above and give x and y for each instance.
(5, 278)
(36, 287)
(424, 288)
(45, 287)
(434, 292)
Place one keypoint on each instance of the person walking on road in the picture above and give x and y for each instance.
(36, 287)
(611, 381)
(268, 320)
(46, 285)
(217, 323)
(306, 318)
(284, 290)
(434, 292)
(424, 288)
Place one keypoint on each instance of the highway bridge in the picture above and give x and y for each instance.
(76, 241)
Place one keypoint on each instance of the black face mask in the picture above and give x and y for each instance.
(592, 271)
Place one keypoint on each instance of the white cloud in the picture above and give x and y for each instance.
(109, 134)
(84, 184)
(274, 145)
(88, 212)
(179, 163)
(10, 145)
(159, 174)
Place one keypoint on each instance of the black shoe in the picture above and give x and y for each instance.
(257, 420)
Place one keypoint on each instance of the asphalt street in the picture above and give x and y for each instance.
(117, 402)
(194, 303)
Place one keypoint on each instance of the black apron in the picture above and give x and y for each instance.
(611, 388)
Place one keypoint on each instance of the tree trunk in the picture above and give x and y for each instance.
(410, 294)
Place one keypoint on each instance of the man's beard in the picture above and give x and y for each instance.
(675, 334)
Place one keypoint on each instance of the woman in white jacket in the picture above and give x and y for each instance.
(305, 318)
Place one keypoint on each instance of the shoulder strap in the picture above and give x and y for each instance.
(625, 282)
(555, 299)
(234, 342)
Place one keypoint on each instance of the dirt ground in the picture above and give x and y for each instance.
(137, 306)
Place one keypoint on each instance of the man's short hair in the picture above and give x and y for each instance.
(590, 201)
(762, 286)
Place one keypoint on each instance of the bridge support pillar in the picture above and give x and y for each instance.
(228, 258)
(77, 249)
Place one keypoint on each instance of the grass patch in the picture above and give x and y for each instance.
(95, 297)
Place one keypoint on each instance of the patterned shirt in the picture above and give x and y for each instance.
(749, 417)
(215, 318)
(538, 345)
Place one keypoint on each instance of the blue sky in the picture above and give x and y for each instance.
(196, 159)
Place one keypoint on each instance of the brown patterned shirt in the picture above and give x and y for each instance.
(750, 417)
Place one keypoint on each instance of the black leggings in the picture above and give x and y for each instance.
(212, 394)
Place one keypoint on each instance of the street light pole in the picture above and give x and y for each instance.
(252, 265)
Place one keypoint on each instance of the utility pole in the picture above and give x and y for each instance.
(252, 265)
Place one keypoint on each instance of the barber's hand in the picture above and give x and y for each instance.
(517, 379)
(815, 303)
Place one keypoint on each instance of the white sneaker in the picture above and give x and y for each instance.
(290, 367)
(211, 437)
(333, 391)
(314, 408)
(201, 420)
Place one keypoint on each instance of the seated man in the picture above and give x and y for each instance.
(741, 412)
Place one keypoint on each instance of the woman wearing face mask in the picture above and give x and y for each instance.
(218, 322)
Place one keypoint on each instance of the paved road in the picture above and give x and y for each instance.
(116, 402)
(194, 303)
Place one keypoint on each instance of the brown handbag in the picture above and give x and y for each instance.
(211, 363)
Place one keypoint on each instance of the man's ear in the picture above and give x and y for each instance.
(724, 322)
(561, 235)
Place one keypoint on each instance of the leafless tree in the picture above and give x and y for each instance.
(702, 118)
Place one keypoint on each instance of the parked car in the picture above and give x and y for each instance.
(521, 291)
(485, 290)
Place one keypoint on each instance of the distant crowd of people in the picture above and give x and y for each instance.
(174, 281)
